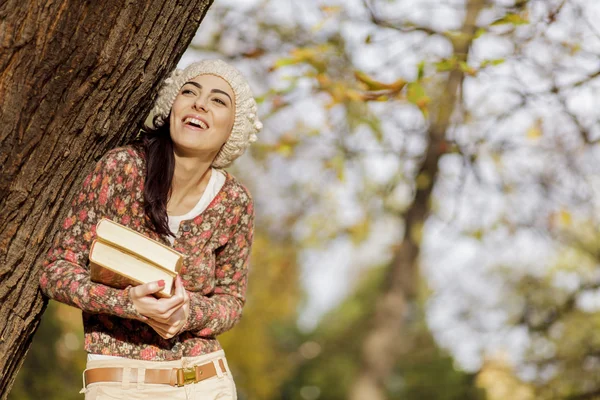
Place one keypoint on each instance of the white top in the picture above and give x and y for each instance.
(215, 183)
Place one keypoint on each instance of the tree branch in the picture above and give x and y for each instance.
(377, 20)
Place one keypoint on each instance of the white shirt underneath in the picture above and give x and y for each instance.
(215, 183)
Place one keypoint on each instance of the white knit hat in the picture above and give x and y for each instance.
(246, 124)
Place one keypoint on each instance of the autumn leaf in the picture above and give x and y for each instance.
(421, 70)
(337, 164)
(287, 144)
(283, 62)
(514, 19)
(354, 95)
(447, 64)
(324, 80)
(416, 95)
(480, 32)
(467, 69)
(494, 62)
(331, 9)
(477, 234)
(372, 84)
(254, 53)
(564, 218)
(359, 231)
(535, 131)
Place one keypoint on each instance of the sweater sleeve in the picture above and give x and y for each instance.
(65, 274)
(219, 312)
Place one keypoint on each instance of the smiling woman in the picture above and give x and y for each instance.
(170, 186)
(202, 116)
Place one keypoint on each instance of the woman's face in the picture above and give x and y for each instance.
(202, 116)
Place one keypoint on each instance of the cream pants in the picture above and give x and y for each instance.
(220, 387)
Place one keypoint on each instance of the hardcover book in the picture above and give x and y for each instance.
(120, 257)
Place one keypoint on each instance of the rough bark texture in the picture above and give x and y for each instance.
(76, 78)
(387, 337)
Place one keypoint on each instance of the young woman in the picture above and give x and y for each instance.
(171, 187)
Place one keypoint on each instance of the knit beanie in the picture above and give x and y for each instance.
(246, 123)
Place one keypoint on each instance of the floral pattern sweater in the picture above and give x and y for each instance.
(216, 245)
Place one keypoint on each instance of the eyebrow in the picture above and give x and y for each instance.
(199, 86)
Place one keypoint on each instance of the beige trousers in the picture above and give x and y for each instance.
(220, 387)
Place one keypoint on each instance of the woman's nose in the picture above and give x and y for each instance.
(200, 103)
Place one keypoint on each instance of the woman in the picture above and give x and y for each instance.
(169, 186)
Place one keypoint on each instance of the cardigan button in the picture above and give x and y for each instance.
(185, 228)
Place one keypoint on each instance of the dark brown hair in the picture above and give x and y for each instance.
(157, 147)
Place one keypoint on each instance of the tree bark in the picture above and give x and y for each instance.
(76, 79)
(387, 338)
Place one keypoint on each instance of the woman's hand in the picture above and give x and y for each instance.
(167, 316)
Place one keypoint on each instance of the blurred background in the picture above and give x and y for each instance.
(427, 197)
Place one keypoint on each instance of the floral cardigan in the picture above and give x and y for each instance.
(216, 245)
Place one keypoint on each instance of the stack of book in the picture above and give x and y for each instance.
(120, 257)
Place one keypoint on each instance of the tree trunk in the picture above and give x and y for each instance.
(76, 78)
(388, 338)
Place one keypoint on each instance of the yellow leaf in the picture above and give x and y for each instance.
(360, 231)
(286, 145)
(282, 62)
(416, 95)
(535, 131)
(337, 163)
(331, 9)
(497, 158)
(318, 26)
(467, 69)
(338, 93)
(447, 64)
(354, 95)
(514, 19)
(303, 53)
(323, 80)
(477, 234)
(480, 32)
(372, 84)
(564, 218)
(398, 85)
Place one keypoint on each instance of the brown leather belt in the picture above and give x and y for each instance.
(170, 376)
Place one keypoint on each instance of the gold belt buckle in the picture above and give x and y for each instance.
(185, 376)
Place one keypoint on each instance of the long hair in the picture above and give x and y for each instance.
(157, 146)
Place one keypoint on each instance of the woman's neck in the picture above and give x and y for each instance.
(190, 177)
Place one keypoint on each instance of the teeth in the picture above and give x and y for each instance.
(194, 121)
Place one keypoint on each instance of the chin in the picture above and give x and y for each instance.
(194, 147)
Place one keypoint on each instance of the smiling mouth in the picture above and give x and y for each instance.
(196, 123)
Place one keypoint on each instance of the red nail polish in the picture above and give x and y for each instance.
(161, 283)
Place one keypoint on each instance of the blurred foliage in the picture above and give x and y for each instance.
(559, 308)
(260, 348)
(54, 364)
(331, 356)
(498, 378)
(519, 162)
(270, 357)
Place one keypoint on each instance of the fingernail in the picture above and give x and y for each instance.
(161, 283)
